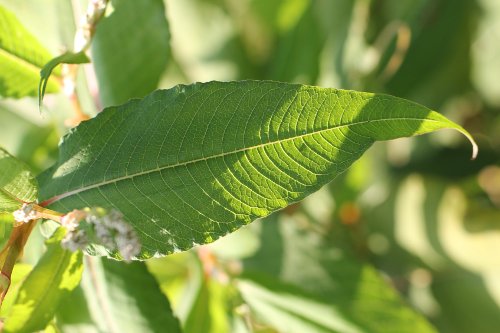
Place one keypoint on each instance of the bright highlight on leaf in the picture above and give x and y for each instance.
(21, 58)
(190, 164)
(54, 277)
(17, 183)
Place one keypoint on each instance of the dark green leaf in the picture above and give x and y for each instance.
(130, 50)
(190, 164)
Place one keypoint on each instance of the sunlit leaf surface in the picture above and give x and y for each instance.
(56, 274)
(17, 183)
(190, 164)
(21, 59)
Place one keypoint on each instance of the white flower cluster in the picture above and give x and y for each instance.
(26, 213)
(97, 226)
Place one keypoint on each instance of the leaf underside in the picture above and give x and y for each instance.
(190, 164)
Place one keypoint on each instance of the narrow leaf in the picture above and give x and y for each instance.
(17, 183)
(73, 314)
(65, 58)
(193, 163)
(305, 281)
(56, 274)
(290, 310)
(126, 298)
(209, 310)
(21, 58)
(18, 275)
(130, 50)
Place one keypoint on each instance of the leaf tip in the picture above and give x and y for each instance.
(475, 147)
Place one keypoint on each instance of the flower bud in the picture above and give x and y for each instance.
(26, 213)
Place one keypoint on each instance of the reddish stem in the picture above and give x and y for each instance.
(11, 252)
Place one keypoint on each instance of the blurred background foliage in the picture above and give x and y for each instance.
(407, 240)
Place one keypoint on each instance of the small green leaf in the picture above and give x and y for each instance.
(21, 58)
(209, 311)
(125, 298)
(130, 58)
(56, 274)
(190, 164)
(65, 58)
(17, 183)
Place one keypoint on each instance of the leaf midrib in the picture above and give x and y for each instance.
(29, 65)
(12, 196)
(170, 166)
(17, 58)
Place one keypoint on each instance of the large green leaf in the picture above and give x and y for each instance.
(192, 163)
(130, 50)
(121, 298)
(21, 58)
(57, 273)
(17, 183)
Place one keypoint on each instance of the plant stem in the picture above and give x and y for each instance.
(83, 38)
(11, 252)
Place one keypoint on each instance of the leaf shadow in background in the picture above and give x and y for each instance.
(464, 300)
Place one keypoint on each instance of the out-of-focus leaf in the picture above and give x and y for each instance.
(65, 58)
(18, 275)
(6, 224)
(50, 21)
(130, 50)
(478, 315)
(73, 314)
(209, 311)
(280, 15)
(126, 298)
(56, 274)
(316, 274)
(51, 328)
(180, 276)
(292, 61)
(182, 176)
(17, 183)
(434, 227)
(437, 64)
(21, 58)
(486, 52)
(27, 136)
(290, 310)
